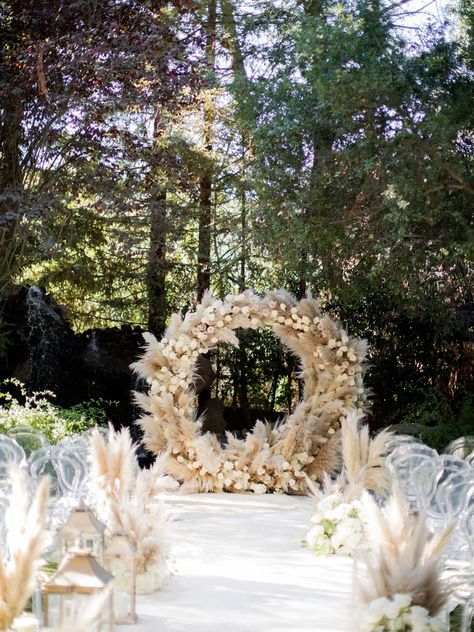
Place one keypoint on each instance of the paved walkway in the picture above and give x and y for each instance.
(239, 566)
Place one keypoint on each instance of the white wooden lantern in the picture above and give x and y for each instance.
(83, 523)
(120, 559)
(79, 580)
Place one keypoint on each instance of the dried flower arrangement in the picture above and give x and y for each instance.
(278, 459)
(126, 497)
(338, 524)
(400, 586)
(25, 521)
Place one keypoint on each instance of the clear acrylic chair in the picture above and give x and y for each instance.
(461, 447)
(43, 463)
(459, 574)
(416, 471)
(72, 470)
(398, 440)
(452, 465)
(46, 462)
(29, 438)
(10, 454)
(449, 503)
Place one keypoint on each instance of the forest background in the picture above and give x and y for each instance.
(152, 150)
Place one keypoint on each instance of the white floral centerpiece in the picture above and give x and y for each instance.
(150, 577)
(338, 524)
(337, 527)
(397, 614)
(399, 588)
(127, 497)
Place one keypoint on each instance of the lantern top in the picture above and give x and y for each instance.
(82, 521)
(80, 573)
(120, 545)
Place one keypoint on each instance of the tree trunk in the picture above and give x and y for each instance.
(11, 180)
(204, 239)
(233, 45)
(205, 184)
(10, 137)
(157, 267)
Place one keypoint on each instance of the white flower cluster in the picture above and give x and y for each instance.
(147, 581)
(337, 527)
(397, 615)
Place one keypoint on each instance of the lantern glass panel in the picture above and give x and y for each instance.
(73, 590)
(61, 607)
(93, 543)
(120, 561)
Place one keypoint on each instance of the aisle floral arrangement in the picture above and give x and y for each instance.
(126, 497)
(398, 585)
(338, 524)
(337, 527)
(279, 459)
(397, 614)
(25, 522)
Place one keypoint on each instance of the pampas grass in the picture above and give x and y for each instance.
(25, 528)
(305, 445)
(363, 457)
(363, 463)
(114, 464)
(126, 496)
(404, 557)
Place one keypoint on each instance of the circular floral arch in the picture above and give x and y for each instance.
(280, 458)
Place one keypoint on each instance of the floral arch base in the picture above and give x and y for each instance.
(269, 459)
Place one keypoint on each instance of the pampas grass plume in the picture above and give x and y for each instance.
(25, 522)
(405, 557)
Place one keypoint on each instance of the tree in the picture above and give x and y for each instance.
(358, 166)
(79, 86)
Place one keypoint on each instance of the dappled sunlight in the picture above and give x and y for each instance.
(239, 563)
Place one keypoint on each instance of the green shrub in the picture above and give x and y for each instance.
(37, 410)
(444, 420)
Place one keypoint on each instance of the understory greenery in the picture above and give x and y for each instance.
(443, 421)
(455, 620)
(36, 410)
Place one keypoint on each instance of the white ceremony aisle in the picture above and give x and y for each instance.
(239, 566)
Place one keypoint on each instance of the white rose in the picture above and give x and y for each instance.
(437, 625)
(329, 502)
(392, 611)
(340, 512)
(365, 619)
(318, 517)
(376, 609)
(402, 601)
(314, 534)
